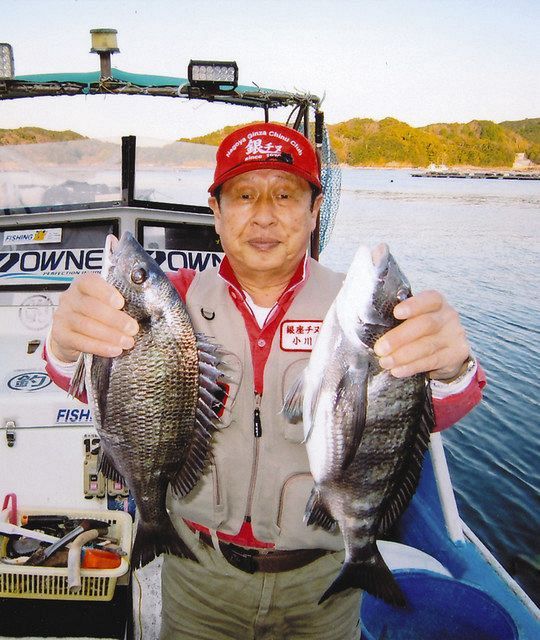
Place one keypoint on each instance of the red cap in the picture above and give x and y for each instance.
(265, 146)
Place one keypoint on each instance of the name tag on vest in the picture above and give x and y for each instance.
(299, 335)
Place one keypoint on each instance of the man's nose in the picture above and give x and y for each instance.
(264, 213)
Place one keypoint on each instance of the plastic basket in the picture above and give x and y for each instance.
(19, 581)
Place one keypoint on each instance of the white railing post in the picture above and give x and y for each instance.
(445, 489)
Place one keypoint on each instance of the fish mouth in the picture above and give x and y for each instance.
(111, 245)
(379, 257)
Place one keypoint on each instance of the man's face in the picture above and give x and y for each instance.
(265, 220)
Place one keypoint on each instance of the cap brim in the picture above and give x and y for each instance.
(264, 164)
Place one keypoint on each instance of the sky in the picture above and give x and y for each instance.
(416, 60)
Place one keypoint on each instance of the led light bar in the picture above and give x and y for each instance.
(211, 73)
(7, 64)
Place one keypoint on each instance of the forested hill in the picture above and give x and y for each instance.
(528, 128)
(34, 135)
(481, 143)
(215, 137)
(387, 142)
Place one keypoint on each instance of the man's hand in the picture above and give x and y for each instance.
(89, 319)
(430, 339)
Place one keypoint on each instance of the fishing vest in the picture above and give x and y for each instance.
(265, 477)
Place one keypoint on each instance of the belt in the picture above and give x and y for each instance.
(253, 560)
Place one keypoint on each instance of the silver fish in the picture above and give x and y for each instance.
(154, 405)
(366, 431)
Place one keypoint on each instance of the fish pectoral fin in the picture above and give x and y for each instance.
(292, 406)
(317, 513)
(351, 400)
(428, 414)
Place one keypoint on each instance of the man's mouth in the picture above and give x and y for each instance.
(263, 244)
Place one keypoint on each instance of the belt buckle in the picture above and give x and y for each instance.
(243, 560)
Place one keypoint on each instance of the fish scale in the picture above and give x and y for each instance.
(153, 404)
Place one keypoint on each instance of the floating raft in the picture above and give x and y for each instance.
(486, 175)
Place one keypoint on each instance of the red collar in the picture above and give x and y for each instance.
(298, 279)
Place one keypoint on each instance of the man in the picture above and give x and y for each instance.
(261, 570)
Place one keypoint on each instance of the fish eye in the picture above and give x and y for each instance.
(139, 275)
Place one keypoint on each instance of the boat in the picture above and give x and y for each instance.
(442, 171)
(455, 587)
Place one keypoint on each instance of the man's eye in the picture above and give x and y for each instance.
(245, 196)
(283, 196)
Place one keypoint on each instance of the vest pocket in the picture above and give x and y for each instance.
(295, 487)
(206, 503)
(293, 532)
(232, 368)
(292, 431)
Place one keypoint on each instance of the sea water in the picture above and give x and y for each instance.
(476, 241)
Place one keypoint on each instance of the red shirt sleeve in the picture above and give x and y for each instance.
(182, 280)
(59, 380)
(450, 410)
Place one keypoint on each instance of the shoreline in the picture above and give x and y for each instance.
(450, 168)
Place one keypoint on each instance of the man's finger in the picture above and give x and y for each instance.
(408, 331)
(424, 302)
(85, 344)
(93, 329)
(103, 313)
(94, 286)
(421, 349)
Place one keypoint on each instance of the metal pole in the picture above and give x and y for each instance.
(128, 169)
(105, 64)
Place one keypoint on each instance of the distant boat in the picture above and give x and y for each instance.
(439, 168)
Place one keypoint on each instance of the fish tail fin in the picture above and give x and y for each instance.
(373, 576)
(153, 539)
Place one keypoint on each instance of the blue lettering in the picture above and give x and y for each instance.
(26, 256)
(198, 262)
(93, 259)
(7, 260)
(77, 261)
(51, 261)
(176, 254)
(74, 415)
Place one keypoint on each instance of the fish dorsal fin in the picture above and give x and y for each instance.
(292, 406)
(190, 472)
(77, 382)
(212, 398)
(101, 378)
(317, 513)
(351, 399)
(407, 480)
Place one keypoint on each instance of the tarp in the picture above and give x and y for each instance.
(138, 79)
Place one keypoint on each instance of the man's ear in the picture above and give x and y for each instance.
(315, 210)
(214, 205)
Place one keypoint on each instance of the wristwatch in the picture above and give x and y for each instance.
(465, 370)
